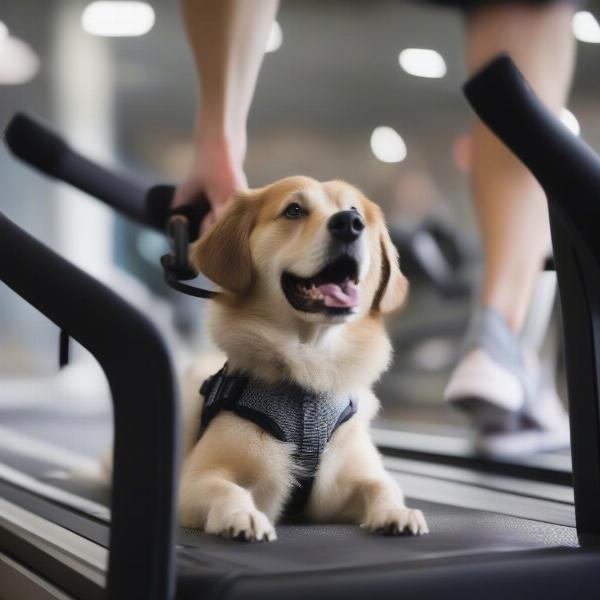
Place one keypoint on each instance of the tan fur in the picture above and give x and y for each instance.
(224, 254)
(236, 478)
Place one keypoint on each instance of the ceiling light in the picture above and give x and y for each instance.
(585, 27)
(275, 37)
(387, 145)
(118, 19)
(18, 62)
(570, 120)
(422, 62)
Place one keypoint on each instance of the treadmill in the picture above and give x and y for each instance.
(493, 535)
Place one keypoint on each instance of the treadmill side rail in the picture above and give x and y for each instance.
(569, 171)
(139, 371)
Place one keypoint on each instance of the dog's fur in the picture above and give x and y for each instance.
(235, 480)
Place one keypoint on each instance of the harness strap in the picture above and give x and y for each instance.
(286, 411)
(296, 503)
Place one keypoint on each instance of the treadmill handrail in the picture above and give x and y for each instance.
(38, 145)
(562, 162)
(569, 171)
(146, 425)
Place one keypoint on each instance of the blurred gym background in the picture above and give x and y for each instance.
(366, 91)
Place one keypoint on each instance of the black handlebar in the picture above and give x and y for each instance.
(569, 171)
(138, 368)
(565, 166)
(38, 145)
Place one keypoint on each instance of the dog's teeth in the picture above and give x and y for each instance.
(309, 289)
(313, 293)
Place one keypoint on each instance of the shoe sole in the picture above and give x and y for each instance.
(487, 417)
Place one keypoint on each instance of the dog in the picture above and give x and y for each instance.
(307, 272)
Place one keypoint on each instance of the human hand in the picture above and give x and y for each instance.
(216, 171)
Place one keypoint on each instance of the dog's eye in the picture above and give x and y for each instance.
(294, 211)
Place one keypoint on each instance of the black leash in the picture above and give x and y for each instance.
(182, 229)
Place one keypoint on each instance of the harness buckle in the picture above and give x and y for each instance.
(211, 387)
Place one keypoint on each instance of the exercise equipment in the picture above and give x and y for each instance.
(491, 537)
(431, 251)
(46, 151)
(569, 172)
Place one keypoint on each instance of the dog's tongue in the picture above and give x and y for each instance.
(343, 295)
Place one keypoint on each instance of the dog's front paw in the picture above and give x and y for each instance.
(245, 525)
(395, 521)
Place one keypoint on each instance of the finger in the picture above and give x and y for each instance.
(186, 193)
(218, 209)
(181, 196)
(208, 221)
(222, 203)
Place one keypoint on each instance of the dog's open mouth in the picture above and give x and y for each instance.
(334, 289)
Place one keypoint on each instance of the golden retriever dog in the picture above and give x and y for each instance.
(307, 272)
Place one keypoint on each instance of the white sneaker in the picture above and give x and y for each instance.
(500, 386)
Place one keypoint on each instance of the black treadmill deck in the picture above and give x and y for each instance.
(344, 561)
(311, 555)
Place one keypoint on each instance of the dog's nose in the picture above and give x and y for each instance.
(346, 225)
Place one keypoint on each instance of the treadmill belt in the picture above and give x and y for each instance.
(345, 557)
(311, 558)
(454, 532)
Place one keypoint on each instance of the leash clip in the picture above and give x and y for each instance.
(182, 226)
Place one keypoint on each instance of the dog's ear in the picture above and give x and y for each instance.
(393, 286)
(223, 254)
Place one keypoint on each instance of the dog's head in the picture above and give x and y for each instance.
(318, 250)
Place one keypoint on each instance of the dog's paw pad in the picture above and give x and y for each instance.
(397, 521)
(242, 525)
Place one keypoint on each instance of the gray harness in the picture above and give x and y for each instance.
(288, 412)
